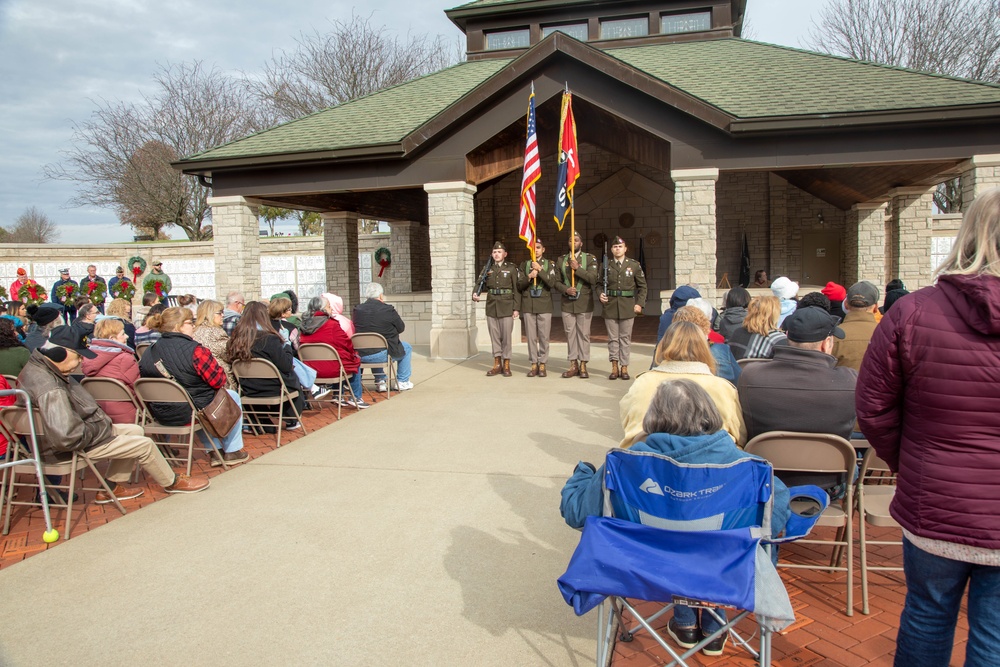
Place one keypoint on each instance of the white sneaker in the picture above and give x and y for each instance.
(359, 404)
(319, 393)
(381, 386)
(404, 386)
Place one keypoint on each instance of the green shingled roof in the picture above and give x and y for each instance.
(752, 80)
(385, 117)
(742, 78)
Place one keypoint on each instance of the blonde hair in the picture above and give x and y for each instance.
(684, 341)
(694, 315)
(278, 306)
(206, 313)
(762, 315)
(977, 245)
(119, 308)
(169, 320)
(108, 328)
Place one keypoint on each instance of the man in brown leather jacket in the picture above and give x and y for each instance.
(73, 421)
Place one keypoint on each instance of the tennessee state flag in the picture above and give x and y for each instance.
(569, 162)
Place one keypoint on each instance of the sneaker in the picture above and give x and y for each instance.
(184, 484)
(381, 386)
(683, 637)
(319, 393)
(293, 426)
(715, 647)
(359, 404)
(121, 493)
(404, 386)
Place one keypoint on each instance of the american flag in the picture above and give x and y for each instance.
(532, 172)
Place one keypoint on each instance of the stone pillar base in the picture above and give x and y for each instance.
(453, 343)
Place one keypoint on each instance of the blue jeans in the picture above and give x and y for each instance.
(232, 442)
(403, 364)
(934, 587)
(686, 617)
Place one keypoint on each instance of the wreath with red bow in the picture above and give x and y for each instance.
(137, 265)
(123, 289)
(384, 258)
(96, 291)
(67, 291)
(158, 283)
(32, 293)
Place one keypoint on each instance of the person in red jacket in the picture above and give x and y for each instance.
(319, 326)
(114, 360)
(928, 401)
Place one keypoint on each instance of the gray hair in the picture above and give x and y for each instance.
(233, 297)
(682, 407)
(977, 245)
(317, 304)
(374, 291)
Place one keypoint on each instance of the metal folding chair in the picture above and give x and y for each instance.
(375, 341)
(141, 348)
(312, 352)
(256, 407)
(820, 453)
(163, 390)
(875, 490)
(27, 423)
(110, 390)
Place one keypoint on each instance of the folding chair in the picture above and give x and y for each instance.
(687, 533)
(324, 352)
(875, 490)
(141, 348)
(254, 406)
(821, 453)
(377, 342)
(111, 390)
(11, 380)
(19, 423)
(744, 361)
(163, 390)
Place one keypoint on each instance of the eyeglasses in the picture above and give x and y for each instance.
(191, 322)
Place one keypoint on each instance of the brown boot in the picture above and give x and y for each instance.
(534, 371)
(625, 375)
(541, 371)
(583, 370)
(506, 368)
(614, 370)
(497, 368)
(573, 371)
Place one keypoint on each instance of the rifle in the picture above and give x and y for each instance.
(481, 285)
(605, 267)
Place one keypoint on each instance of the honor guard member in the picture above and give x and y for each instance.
(503, 300)
(577, 273)
(536, 282)
(623, 294)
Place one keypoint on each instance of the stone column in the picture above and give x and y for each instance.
(401, 270)
(236, 246)
(979, 174)
(694, 229)
(865, 244)
(913, 229)
(340, 251)
(452, 231)
(778, 258)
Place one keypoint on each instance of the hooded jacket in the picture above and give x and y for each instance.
(928, 400)
(115, 361)
(677, 301)
(321, 328)
(730, 320)
(582, 495)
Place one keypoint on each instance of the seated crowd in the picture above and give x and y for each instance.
(194, 344)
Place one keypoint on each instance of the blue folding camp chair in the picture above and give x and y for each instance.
(687, 534)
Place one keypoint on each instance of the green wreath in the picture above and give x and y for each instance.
(66, 292)
(3, 293)
(32, 293)
(383, 258)
(95, 290)
(137, 265)
(158, 283)
(123, 289)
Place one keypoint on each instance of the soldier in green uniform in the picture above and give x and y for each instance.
(577, 273)
(503, 301)
(536, 284)
(623, 296)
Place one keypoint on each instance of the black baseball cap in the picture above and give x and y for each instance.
(71, 339)
(811, 325)
(862, 295)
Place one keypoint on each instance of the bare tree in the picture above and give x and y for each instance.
(33, 226)
(352, 59)
(120, 156)
(953, 37)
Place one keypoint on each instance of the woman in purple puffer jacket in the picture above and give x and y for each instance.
(928, 400)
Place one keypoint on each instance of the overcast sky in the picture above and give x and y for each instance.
(58, 56)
